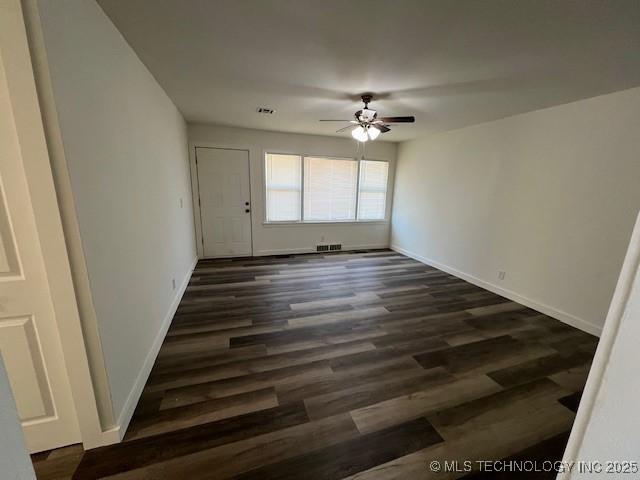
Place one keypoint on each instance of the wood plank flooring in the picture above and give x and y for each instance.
(362, 365)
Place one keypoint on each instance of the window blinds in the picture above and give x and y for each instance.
(372, 193)
(283, 187)
(330, 189)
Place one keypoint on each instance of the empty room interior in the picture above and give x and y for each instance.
(285, 239)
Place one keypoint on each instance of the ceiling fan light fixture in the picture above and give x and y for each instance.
(373, 132)
(359, 134)
(367, 125)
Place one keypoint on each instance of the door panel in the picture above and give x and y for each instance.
(29, 337)
(20, 348)
(223, 184)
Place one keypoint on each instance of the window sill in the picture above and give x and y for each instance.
(334, 222)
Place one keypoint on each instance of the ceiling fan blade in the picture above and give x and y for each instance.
(409, 119)
(382, 128)
(345, 128)
(336, 120)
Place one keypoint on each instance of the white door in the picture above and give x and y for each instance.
(29, 339)
(225, 201)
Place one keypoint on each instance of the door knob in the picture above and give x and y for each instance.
(247, 210)
(246, 203)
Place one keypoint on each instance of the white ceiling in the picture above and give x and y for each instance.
(451, 63)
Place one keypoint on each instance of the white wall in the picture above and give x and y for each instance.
(549, 197)
(126, 150)
(275, 239)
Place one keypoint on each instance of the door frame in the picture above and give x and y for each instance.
(19, 25)
(195, 192)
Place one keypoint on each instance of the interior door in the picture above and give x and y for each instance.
(29, 338)
(225, 201)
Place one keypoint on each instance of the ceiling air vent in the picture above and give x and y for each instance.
(265, 110)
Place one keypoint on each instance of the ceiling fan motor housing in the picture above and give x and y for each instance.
(366, 99)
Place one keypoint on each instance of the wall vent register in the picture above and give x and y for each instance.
(329, 248)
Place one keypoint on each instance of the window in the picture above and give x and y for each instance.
(321, 189)
(330, 189)
(284, 185)
(372, 194)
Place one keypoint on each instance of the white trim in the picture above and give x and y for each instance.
(231, 255)
(293, 251)
(134, 395)
(195, 195)
(563, 316)
(328, 222)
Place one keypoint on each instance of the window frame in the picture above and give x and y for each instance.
(302, 221)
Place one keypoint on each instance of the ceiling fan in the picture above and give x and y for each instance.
(367, 125)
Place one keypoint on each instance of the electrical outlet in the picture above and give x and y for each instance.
(173, 283)
(501, 275)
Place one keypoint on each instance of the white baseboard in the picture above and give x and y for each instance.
(132, 399)
(563, 316)
(283, 251)
(293, 251)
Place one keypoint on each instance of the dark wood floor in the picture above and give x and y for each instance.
(364, 365)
